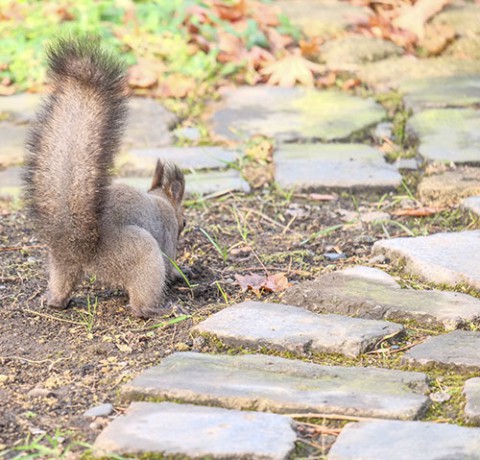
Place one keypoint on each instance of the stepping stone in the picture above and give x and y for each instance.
(370, 293)
(465, 48)
(20, 108)
(196, 432)
(394, 440)
(149, 124)
(444, 258)
(459, 349)
(462, 18)
(471, 390)
(269, 383)
(201, 183)
(10, 182)
(449, 188)
(323, 17)
(142, 161)
(447, 135)
(290, 114)
(396, 71)
(349, 52)
(286, 328)
(441, 92)
(12, 146)
(310, 166)
(472, 204)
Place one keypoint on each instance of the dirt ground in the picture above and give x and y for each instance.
(79, 358)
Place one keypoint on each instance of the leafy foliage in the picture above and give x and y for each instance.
(178, 47)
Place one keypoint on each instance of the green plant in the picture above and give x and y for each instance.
(222, 250)
(42, 447)
(88, 317)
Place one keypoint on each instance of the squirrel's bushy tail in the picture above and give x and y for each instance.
(71, 145)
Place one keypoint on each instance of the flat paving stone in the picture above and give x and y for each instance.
(201, 183)
(349, 52)
(471, 390)
(449, 188)
(441, 92)
(142, 161)
(323, 17)
(12, 145)
(287, 328)
(395, 440)
(370, 293)
(11, 182)
(20, 108)
(393, 72)
(462, 18)
(197, 432)
(458, 349)
(270, 383)
(290, 114)
(472, 204)
(149, 124)
(441, 258)
(447, 135)
(310, 166)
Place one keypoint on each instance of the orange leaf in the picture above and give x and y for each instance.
(258, 283)
(418, 212)
(142, 75)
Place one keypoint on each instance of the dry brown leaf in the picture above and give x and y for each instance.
(258, 283)
(418, 212)
(230, 12)
(177, 85)
(291, 69)
(144, 74)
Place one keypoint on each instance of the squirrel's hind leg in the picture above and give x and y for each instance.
(62, 280)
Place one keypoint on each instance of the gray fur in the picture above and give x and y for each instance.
(121, 235)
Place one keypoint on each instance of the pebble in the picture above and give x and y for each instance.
(103, 410)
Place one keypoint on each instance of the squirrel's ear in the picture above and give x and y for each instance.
(158, 175)
(176, 183)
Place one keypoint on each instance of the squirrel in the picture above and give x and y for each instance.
(123, 236)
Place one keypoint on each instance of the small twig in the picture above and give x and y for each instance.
(389, 350)
(19, 248)
(290, 222)
(268, 219)
(333, 417)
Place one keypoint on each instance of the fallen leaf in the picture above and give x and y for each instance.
(177, 86)
(321, 197)
(7, 90)
(142, 75)
(418, 212)
(291, 69)
(231, 12)
(258, 283)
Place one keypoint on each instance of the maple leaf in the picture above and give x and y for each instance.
(291, 69)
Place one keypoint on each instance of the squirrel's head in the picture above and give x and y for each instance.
(169, 181)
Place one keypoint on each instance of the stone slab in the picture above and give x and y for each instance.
(287, 328)
(447, 135)
(323, 17)
(347, 53)
(12, 145)
(149, 124)
(269, 383)
(290, 114)
(445, 258)
(19, 108)
(201, 183)
(395, 440)
(449, 188)
(458, 349)
(441, 92)
(141, 162)
(10, 182)
(462, 18)
(465, 48)
(471, 390)
(310, 166)
(370, 293)
(472, 204)
(197, 432)
(391, 73)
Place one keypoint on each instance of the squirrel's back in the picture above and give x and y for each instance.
(71, 145)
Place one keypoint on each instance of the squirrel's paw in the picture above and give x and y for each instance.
(55, 302)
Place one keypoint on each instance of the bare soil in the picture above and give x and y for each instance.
(78, 358)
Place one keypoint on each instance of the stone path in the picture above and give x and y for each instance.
(269, 383)
(197, 432)
(370, 293)
(440, 258)
(286, 328)
(401, 440)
